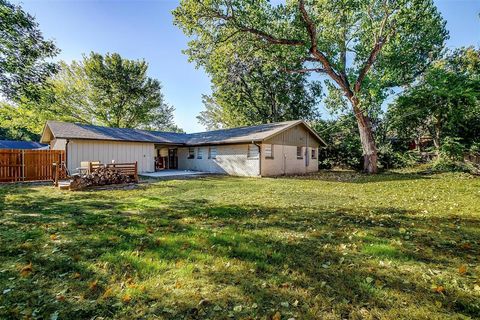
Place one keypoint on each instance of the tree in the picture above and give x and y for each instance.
(106, 90)
(19, 123)
(24, 53)
(363, 47)
(444, 102)
(249, 92)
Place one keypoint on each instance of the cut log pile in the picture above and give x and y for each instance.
(99, 177)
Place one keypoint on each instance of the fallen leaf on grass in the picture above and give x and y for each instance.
(439, 289)
(93, 285)
(108, 293)
(463, 269)
(126, 298)
(53, 237)
(26, 270)
(76, 275)
(277, 316)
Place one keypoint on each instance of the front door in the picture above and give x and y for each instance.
(172, 159)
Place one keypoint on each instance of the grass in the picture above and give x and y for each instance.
(336, 245)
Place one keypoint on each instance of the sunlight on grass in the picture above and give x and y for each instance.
(333, 245)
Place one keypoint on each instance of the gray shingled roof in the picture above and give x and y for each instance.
(67, 130)
(241, 134)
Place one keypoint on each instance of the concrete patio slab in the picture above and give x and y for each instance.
(172, 173)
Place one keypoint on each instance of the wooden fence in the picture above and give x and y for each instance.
(29, 165)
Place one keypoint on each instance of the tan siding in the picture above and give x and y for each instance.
(231, 159)
(58, 144)
(296, 136)
(106, 151)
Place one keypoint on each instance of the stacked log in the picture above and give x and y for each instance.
(99, 177)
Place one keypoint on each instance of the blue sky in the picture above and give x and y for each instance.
(144, 30)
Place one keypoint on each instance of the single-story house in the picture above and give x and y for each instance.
(271, 149)
(18, 144)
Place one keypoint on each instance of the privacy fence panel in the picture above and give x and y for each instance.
(29, 165)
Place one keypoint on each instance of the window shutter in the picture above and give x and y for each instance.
(269, 151)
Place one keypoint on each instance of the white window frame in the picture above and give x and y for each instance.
(300, 156)
(268, 155)
(212, 155)
(199, 153)
(252, 152)
(191, 153)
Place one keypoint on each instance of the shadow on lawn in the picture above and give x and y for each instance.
(312, 264)
(357, 177)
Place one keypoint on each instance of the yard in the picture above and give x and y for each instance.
(330, 246)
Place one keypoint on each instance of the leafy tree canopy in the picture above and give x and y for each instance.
(106, 90)
(444, 102)
(252, 91)
(24, 54)
(363, 47)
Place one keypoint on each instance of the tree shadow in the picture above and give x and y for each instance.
(196, 259)
(350, 176)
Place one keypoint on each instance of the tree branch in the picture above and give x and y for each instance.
(262, 34)
(306, 70)
(380, 40)
(342, 81)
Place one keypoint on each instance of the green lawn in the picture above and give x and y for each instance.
(330, 246)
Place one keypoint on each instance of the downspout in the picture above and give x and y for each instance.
(259, 146)
(66, 157)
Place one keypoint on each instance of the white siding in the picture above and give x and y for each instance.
(106, 151)
(230, 159)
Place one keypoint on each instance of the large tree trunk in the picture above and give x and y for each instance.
(370, 157)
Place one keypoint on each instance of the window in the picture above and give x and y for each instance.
(199, 153)
(314, 153)
(299, 153)
(269, 151)
(252, 151)
(212, 153)
(191, 153)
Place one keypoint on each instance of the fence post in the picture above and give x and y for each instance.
(22, 156)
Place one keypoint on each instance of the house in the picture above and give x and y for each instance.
(289, 147)
(17, 144)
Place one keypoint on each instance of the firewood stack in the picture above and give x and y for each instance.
(100, 177)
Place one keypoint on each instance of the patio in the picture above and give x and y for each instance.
(172, 173)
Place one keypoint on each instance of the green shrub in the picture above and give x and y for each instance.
(443, 164)
(389, 158)
(452, 149)
(475, 148)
